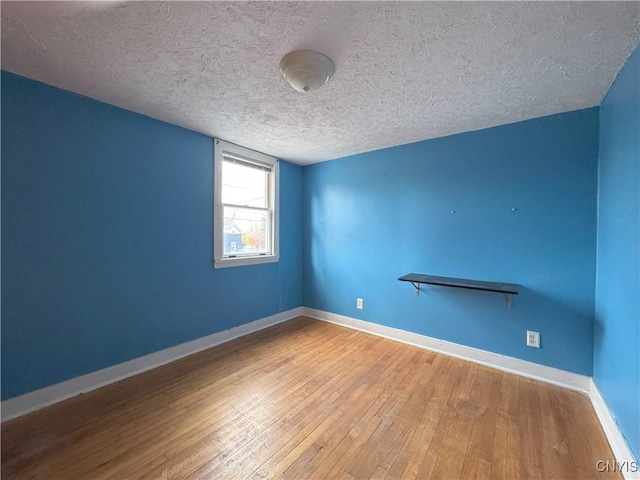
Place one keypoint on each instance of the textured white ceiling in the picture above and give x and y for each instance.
(405, 71)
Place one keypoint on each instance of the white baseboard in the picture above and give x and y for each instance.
(29, 402)
(543, 373)
(621, 450)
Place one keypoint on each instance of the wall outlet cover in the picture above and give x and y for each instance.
(533, 339)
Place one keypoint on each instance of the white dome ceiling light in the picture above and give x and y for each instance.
(306, 70)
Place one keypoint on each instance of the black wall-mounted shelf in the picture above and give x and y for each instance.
(509, 289)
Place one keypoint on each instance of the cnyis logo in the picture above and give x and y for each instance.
(615, 466)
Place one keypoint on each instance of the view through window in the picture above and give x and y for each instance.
(246, 207)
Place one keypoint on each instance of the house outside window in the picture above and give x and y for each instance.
(245, 216)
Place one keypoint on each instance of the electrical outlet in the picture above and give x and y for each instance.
(533, 339)
(360, 304)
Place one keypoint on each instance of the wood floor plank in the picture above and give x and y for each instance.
(420, 418)
(260, 408)
(303, 416)
(331, 441)
(432, 426)
(282, 462)
(458, 421)
(312, 387)
(381, 369)
(307, 399)
(484, 399)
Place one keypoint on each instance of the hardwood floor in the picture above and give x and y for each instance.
(307, 399)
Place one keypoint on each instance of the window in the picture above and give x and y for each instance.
(245, 214)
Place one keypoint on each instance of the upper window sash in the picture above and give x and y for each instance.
(246, 161)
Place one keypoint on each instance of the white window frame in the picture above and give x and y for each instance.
(219, 259)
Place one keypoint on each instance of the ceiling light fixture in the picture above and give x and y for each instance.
(306, 70)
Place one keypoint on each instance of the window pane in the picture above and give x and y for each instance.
(246, 231)
(244, 185)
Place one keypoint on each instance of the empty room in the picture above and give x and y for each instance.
(307, 240)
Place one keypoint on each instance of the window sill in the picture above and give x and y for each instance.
(243, 261)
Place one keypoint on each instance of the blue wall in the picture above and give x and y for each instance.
(106, 239)
(373, 217)
(617, 324)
